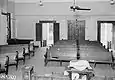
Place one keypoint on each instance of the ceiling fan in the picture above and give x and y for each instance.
(74, 7)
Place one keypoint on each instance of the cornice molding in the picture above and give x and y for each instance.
(34, 1)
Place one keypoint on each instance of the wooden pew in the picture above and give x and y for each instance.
(35, 44)
(95, 58)
(31, 48)
(20, 56)
(12, 59)
(9, 59)
(111, 63)
(60, 48)
(26, 52)
(95, 53)
(48, 58)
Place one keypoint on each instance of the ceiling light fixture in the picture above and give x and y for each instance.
(41, 3)
(112, 2)
(75, 7)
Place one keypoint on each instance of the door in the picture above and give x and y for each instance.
(76, 30)
(38, 32)
(98, 31)
(71, 29)
(49, 33)
(106, 34)
(56, 32)
(81, 29)
(113, 37)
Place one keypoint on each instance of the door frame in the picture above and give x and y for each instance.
(43, 21)
(47, 21)
(99, 29)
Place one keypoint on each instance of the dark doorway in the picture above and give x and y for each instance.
(38, 31)
(44, 31)
(99, 28)
(105, 33)
(98, 31)
(56, 32)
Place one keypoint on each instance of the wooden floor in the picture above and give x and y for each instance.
(37, 61)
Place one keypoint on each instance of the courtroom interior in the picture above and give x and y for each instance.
(57, 40)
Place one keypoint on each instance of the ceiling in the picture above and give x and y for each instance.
(53, 0)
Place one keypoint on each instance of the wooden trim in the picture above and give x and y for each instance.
(99, 28)
(106, 21)
(47, 21)
(98, 31)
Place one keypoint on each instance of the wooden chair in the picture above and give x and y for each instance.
(3, 65)
(26, 52)
(31, 48)
(20, 56)
(12, 60)
(35, 44)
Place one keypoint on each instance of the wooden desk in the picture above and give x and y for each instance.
(84, 72)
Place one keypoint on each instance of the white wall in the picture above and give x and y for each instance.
(26, 26)
(5, 6)
(3, 26)
(27, 14)
(11, 8)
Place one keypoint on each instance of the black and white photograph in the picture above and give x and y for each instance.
(57, 39)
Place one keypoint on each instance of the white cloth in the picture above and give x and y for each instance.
(75, 76)
(80, 64)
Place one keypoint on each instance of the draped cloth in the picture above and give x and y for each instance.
(78, 65)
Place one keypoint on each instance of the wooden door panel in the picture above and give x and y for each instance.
(71, 29)
(38, 31)
(81, 26)
(56, 32)
(76, 29)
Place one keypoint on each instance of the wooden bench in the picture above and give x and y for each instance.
(102, 62)
(12, 59)
(35, 44)
(20, 56)
(26, 52)
(31, 48)
(110, 62)
(48, 58)
(56, 60)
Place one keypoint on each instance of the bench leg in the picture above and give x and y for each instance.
(33, 53)
(60, 63)
(45, 61)
(17, 66)
(94, 64)
(29, 55)
(23, 61)
(7, 67)
(112, 65)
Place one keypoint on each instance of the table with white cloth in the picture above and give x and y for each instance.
(88, 73)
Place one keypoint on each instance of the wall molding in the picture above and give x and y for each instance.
(62, 15)
(34, 1)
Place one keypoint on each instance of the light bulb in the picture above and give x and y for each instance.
(41, 4)
(112, 2)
